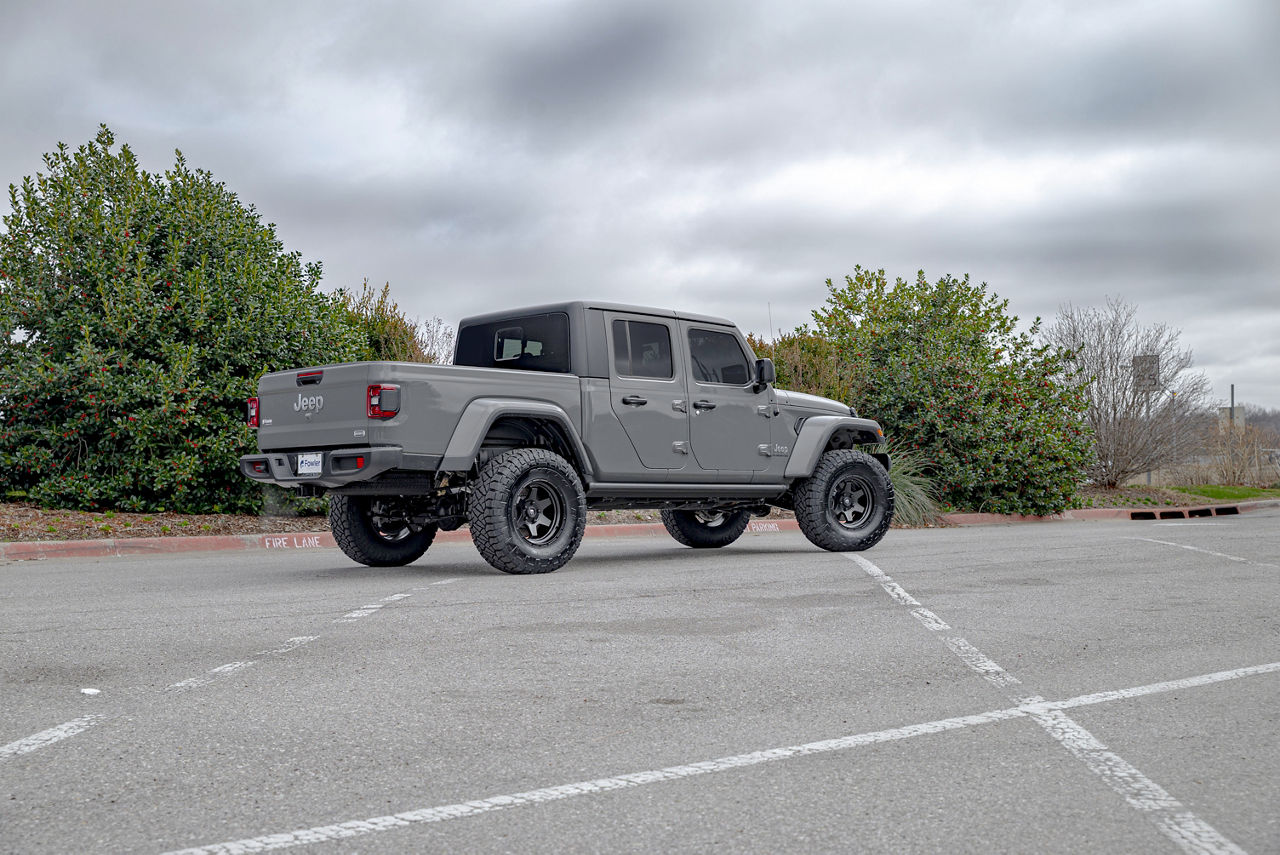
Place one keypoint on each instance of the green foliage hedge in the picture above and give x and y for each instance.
(943, 368)
(136, 313)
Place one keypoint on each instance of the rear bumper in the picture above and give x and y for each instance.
(339, 467)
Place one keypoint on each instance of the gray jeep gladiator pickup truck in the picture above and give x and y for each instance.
(550, 411)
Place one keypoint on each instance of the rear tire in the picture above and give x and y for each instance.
(527, 511)
(846, 505)
(706, 529)
(372, 531)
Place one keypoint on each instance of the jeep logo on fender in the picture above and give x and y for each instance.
(311, 402)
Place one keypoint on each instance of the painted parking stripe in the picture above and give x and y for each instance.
(1142, 794)
(978, 661)
(1192, 834)
(1235, 558)
(76, 726)
(1159, 688)
(50, 736)
(442, 813)
(970, 655)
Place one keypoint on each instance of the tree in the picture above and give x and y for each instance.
(137, 311)
(1143, 397)
(392, 335)
(1265, 418)
(943, 368)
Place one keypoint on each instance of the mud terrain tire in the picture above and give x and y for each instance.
(527, 511)
(370, 536)
(846, 505)
(706, 529)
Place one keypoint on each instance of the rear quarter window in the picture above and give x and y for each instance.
(533, 343)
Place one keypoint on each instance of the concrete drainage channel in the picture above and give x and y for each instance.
(1186, 513)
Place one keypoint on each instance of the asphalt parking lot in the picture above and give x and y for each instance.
(1055, 687)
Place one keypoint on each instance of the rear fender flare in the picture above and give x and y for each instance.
(480, 415)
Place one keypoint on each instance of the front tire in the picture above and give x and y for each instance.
(706, 529)
(846, 505)
(527, 511)
(376, 532)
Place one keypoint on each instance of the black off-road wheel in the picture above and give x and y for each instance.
(706, 529)
(377, 531)
(846, 505)
(527, 511)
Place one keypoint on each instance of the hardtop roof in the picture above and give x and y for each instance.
(576, 306)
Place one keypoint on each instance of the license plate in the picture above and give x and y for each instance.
(310, 464)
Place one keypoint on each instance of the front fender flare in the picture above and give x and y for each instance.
(816, 433)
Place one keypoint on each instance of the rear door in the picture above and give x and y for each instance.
(728, 419)
(647, 390)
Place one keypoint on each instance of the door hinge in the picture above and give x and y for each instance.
(679, 406)
(680, 447)
(766, 449)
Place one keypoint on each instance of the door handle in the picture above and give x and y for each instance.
(635, 401)
(703, 405)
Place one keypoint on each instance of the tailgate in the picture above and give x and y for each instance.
(325, 407)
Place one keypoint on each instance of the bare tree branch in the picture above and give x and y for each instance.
(1135, 430)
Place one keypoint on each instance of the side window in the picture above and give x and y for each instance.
(642, 349)
(535, 343)
(718, 358)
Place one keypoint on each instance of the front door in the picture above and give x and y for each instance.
(728, 420)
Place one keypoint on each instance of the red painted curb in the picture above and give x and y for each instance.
(39, 550)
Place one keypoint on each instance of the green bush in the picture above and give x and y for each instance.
(389, 334)
(136, 313)
(945, 371)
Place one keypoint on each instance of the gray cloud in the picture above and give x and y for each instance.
(724, 157)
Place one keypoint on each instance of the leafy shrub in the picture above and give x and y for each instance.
(391, 335)
(136, 313)
(943, 368)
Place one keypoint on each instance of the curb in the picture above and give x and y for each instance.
(121, 547)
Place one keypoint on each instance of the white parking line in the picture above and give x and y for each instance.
(208, 677)
(978, 661)
(79, 725)
(50, 736)
(366, 610)
(1190, 833)
(1235, 558)
(1180, 825)
(1048, 710)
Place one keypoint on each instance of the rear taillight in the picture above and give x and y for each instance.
(384, 401)
(253, 413)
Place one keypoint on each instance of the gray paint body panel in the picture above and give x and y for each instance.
(481, 414)
(817, 431)
(746, 447)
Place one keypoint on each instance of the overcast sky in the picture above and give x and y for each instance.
(721, 157)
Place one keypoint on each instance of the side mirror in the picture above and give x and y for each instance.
(765, 373)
